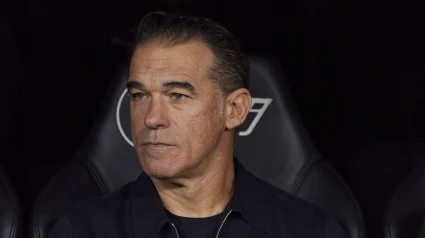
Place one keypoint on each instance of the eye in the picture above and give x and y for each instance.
(137, 96)
(178, 96)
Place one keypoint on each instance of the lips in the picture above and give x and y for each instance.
(156, 145)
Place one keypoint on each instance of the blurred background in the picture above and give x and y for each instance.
(355, 68)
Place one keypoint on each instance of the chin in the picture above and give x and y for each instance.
(161, 170)
(161, 177)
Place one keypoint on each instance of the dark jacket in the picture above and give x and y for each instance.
(257, 209)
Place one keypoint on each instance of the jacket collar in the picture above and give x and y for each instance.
(251, 198)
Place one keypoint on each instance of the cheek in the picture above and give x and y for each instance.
(136, 119)
(204, 128)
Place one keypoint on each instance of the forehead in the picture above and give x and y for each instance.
(189, 58)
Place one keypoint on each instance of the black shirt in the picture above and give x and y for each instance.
(256, 210)
(188, 227)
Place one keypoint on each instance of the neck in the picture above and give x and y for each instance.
(200, 196)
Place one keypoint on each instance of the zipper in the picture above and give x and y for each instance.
(219, 229)
(177, 233)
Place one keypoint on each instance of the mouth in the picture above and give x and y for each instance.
(156, 145)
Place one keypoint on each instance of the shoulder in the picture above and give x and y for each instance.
(301, 215)
(283, 201)
(110, 202)
(91, 214)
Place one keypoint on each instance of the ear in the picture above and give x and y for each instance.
(237, 106)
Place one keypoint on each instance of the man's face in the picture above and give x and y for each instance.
(177, 120)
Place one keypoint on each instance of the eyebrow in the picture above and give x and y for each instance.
(134, 84)
(172, 84)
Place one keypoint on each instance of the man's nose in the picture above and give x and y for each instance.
(156, 115)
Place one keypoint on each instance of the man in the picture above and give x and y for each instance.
(187, 85)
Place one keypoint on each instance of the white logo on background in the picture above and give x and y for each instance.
(259, 113)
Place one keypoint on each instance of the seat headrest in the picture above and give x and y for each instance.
(271, 132)
(406, 210)
(10, 219)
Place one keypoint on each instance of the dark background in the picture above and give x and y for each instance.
(356, 70)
